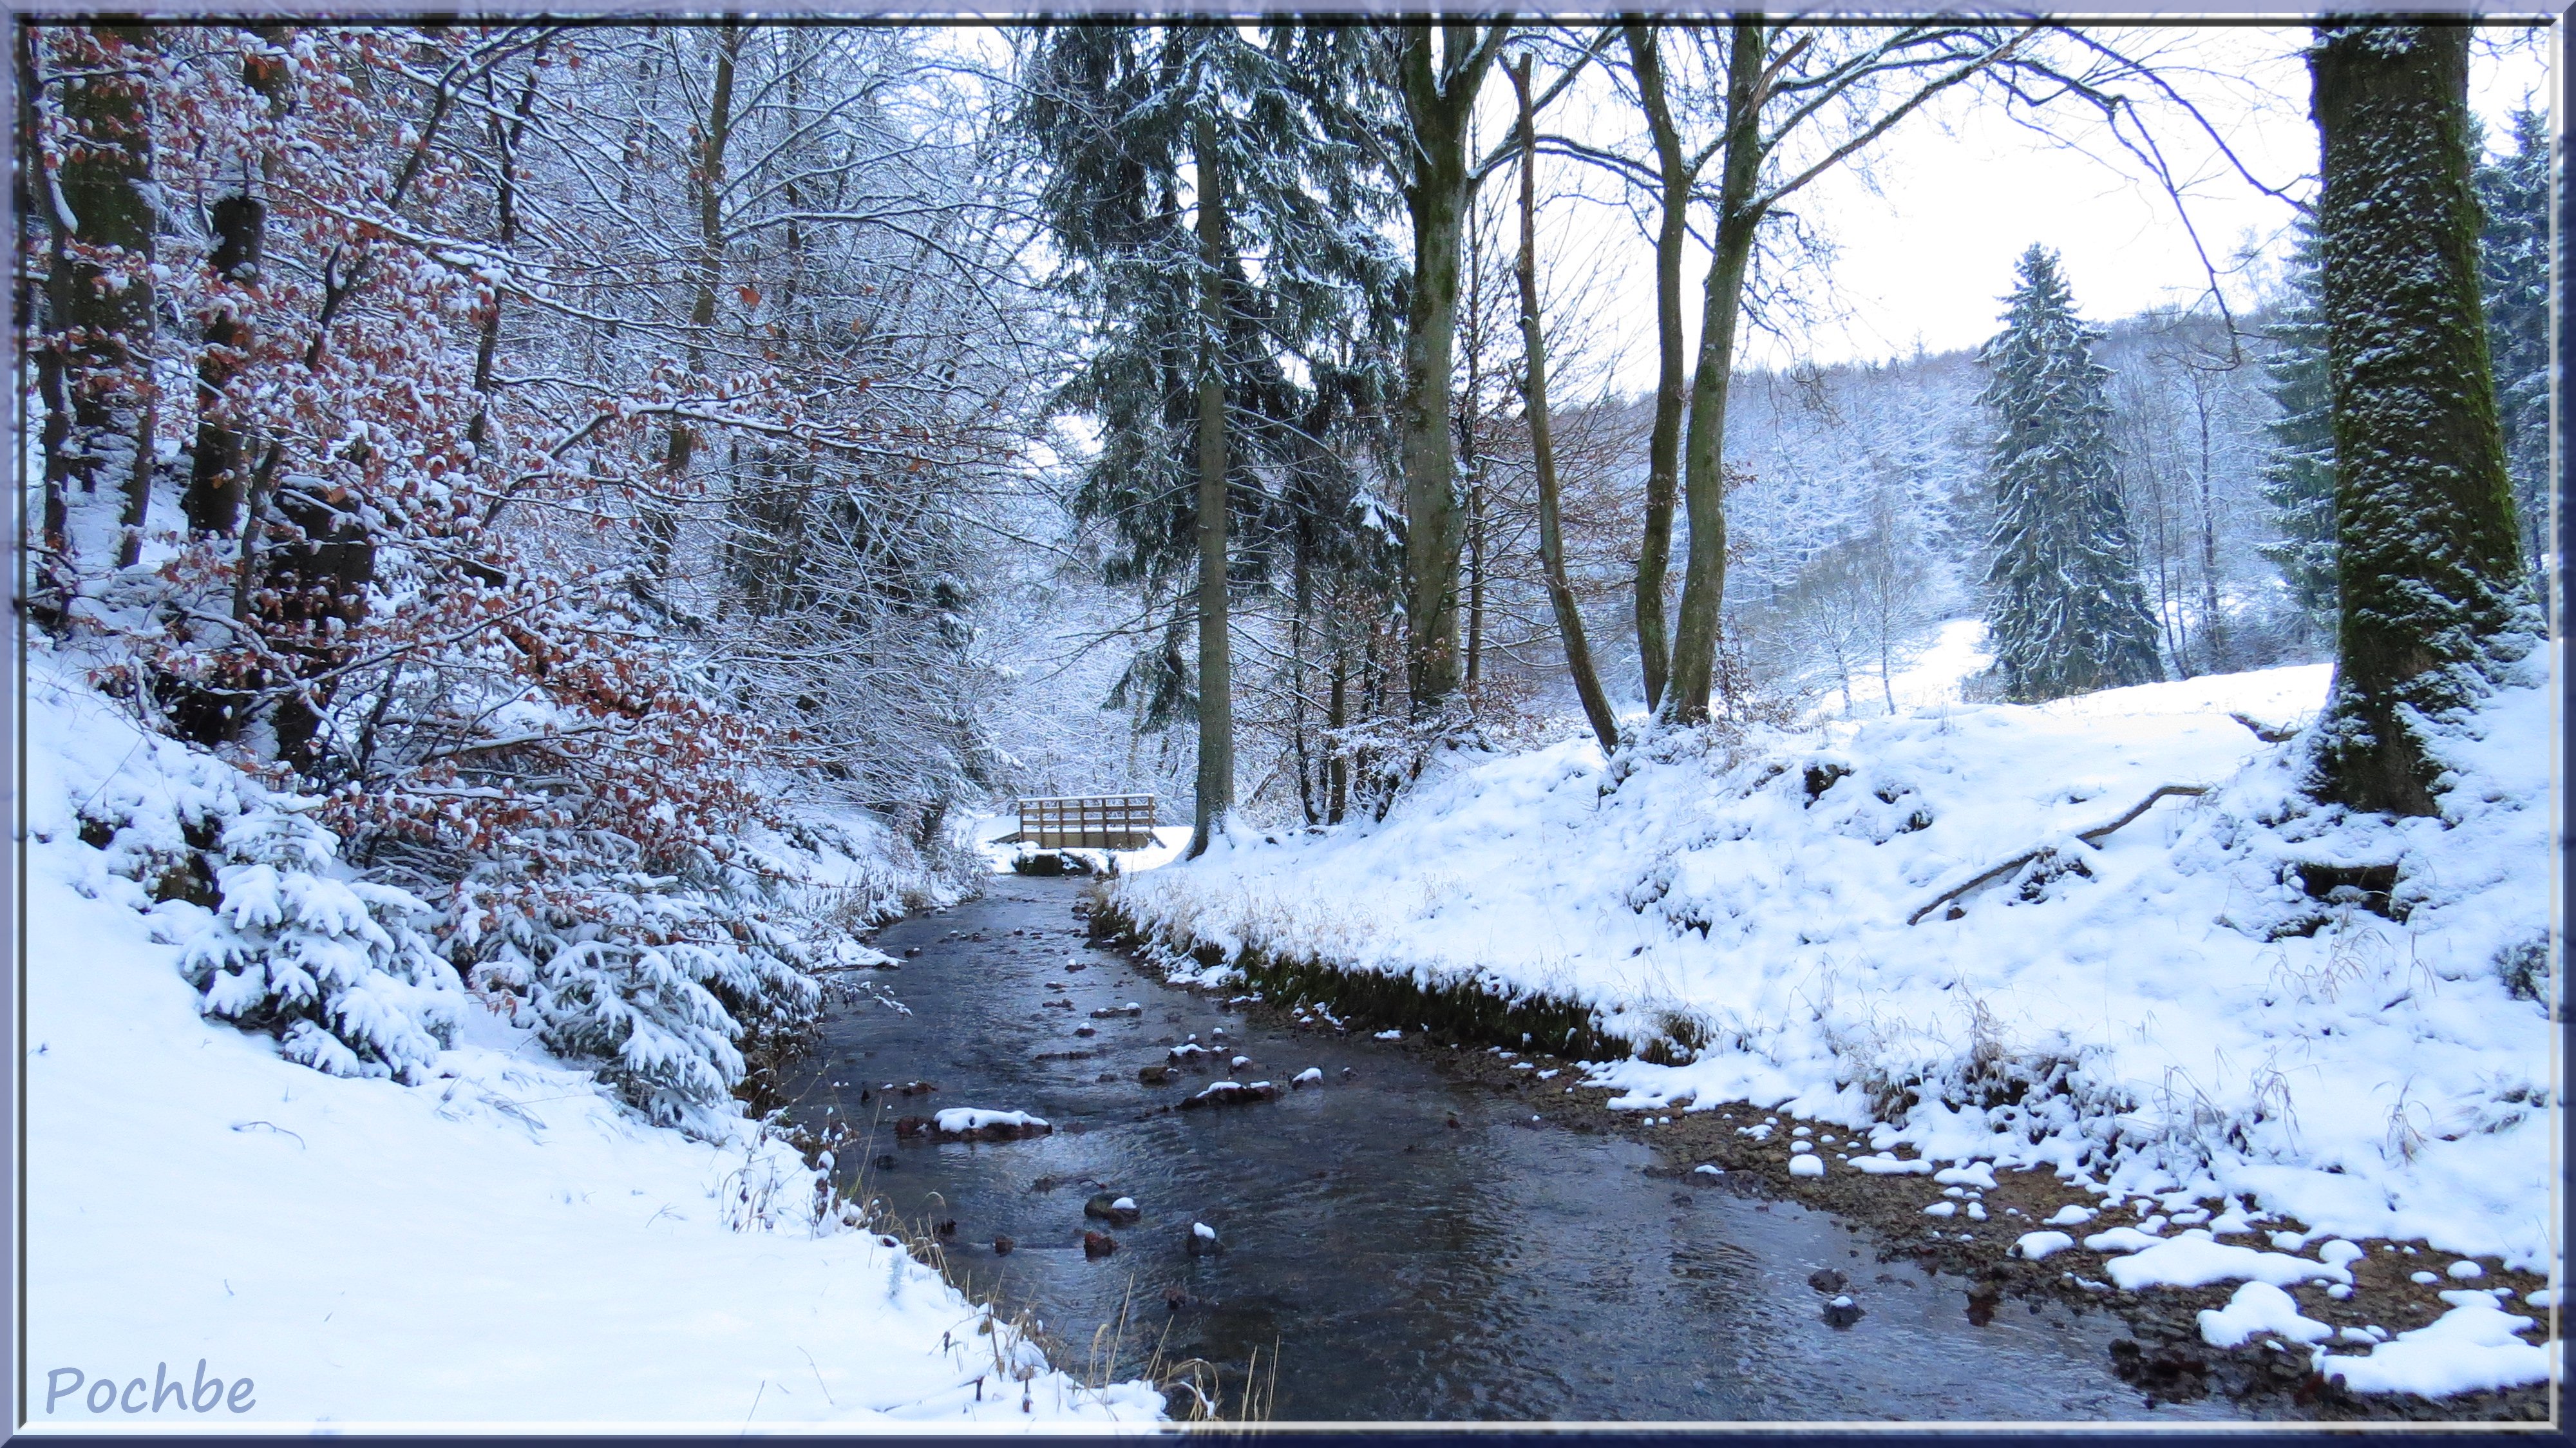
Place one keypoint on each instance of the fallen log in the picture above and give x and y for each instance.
(2093, 837)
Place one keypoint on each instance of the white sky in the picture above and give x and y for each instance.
(1958, 194)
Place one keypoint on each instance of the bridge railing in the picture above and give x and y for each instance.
(1088, 822)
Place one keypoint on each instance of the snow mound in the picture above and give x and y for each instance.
(2470, 1348)
(2259, 1307)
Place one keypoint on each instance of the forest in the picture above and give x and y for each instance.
(592, 517)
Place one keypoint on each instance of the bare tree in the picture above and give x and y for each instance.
(1569, 616)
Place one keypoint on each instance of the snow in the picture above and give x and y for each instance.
(957, 1120)
(2032, 1246)
(1806, 1166)
(2470, 1348)
(2194, 1260)
(1203, 1231)
(193, 1197)
(2259, 1307)
(2183, 1019)
(1885, 1165)
(1937, 675)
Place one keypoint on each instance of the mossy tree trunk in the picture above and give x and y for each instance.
(2433, 604)
(1675, 172)
(1439, 99)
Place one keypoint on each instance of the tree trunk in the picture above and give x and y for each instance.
(505, 234)
(1703, 480)
(1551, 536)
(1215, 792)
(2433, 602)
(662, 520)
(1337, 760)
(99, 196)
(2213, 627)
(1663, 444)
(219, 467)
(1471, 462)
(1436, 199)
(51, 566)
(317, 575)
(1300, 634)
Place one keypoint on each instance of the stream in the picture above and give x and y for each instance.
(1396, 1244)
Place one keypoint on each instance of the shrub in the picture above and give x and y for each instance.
(333, 966)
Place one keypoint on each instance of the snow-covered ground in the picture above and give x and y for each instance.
(255, 1243)
(2170, 1012)
(1937, 675)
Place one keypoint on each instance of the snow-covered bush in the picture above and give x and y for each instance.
(335, 966)
(662, 979)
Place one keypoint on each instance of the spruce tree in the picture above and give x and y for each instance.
(2513, 275)
(2298, 479)
(2065, 611)
(1216, 221)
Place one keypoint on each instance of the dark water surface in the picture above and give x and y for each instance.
(1400, 1267)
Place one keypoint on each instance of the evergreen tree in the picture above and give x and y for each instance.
(2064, 608)
(1173, 155)
(2298, 480)
(2513, 267)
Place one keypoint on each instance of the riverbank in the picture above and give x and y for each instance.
(495, 1242)
(2293, 1021)
(2166, 1352)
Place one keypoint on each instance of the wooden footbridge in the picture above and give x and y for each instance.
(1088, 822)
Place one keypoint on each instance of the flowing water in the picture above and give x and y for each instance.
(1408, 1247)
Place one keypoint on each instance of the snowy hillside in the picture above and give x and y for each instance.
(2227, 995)
(494, 1240)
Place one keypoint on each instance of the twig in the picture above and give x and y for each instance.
(2091, 837)
(2265, 732)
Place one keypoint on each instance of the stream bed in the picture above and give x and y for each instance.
(1396, 1244)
